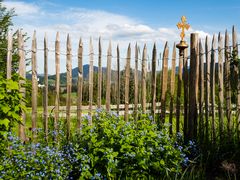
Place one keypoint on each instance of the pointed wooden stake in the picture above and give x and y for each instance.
(9, 56)
(90, 81)
(144, 74)
(172, 88)
(22, 73)
(80, 84)
(127, 79)
(34, 87)
(109, 70)
(57, 84)
(69, 86)
(45, 90)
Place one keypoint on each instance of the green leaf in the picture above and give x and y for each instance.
(4, 122)
(12, 85)
(5, 109)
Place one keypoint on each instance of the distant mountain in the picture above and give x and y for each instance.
(63, 76)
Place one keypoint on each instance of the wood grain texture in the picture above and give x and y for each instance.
(127, 79)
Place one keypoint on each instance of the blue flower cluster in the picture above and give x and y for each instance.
(34, 161)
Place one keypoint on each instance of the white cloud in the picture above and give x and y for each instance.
(22, 8)
(85, 23)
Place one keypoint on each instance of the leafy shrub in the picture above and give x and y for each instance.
(110, 148)
(114, 148)
(10, 108)
(33, 161)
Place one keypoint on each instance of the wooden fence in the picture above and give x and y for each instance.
(202, 79)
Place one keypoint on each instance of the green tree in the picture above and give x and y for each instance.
(10, 96)
(5, 26)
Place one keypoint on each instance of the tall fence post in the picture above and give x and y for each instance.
(237, 80)
(172, 87)
(109, 70)
(212, 87)
(220, 85)
(45, 92)
(179, 89)
(185, 92)
(99, 73)
(154, 79)
(118, 79)
(57, 83)
(69, 85)
(90, 81)
(201, 91)
(136, 84)
(144, 74)
(34, 87)
(207, 87)
(80, 84)
(193, 87)
(127, 77)
(22, 74)
(9, 56)
(164, 83)
(228, 85)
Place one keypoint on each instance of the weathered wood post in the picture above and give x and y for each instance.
(136, 84)
(45, 92)
(220, 86)
(108, 83)
(57, 83)
(69, 85)
(154, 79)
(127, 79)
(207, 88)
(201, 91)
(182, 46)
(228, 85)
(118, 79)
(90, 82)
(80, 84)
(164, 83)
(193, 87)
(99, 73)
(172, 87)
(144, 74)
(22, 74)
(9, 56)
(34, 87)
(237, 80)
(212, 87)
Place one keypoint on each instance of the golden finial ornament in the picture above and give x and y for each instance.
(183, 26)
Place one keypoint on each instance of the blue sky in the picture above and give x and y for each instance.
(123, 21)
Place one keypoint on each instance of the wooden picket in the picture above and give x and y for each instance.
(220, 85)
(80, 84)
(108, 86)
(164, 83)
(127, 77)
(69, 84)
(57, 82)
(45, 90)
(172, 87)
(34, 87)
(154, 79)
(212, 87)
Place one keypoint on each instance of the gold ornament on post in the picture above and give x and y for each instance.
(183, 25)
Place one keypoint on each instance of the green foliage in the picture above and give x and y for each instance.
(114, 148)
(5, 26)
(10, 106)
